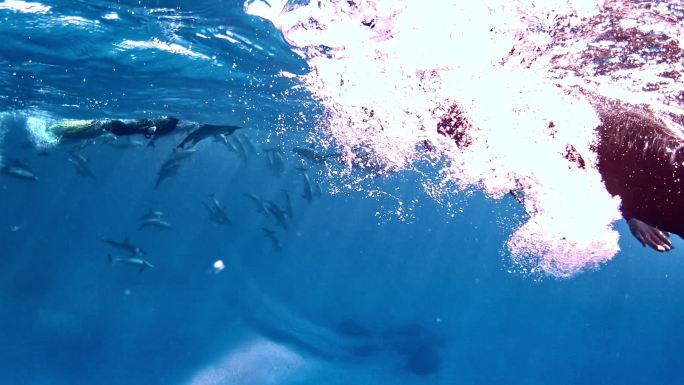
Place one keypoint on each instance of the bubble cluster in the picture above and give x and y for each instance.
(498, 96)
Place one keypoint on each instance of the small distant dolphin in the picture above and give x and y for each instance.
(141, 264)
(278, 213)
(245, 142)
(180, 154)
(233, 145)
(167, 171)
(275, 162)
(308, 192)
(152, 214)
(260, 205)
(288, 203)
(172, 164)
(312, 155)
(17, 169)
(216, 211)
(81, 164)
(311, 187)
(155, 222)
(309, 154)
(121, 143)
(126, 245)
(238, 146)
(270, 234)
(206, 131)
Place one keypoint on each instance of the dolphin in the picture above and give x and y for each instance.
(141, 264)
(155, 222)
(275, 162)
(172, 164)
(121, 143)
(81, 164)
(151, 215)
(278, 213)
(126, 245)
(233, 145)
(17, 169)
(271, 235)
(309, 154)
(288, 203)
(221, 138)
(245, 142)
(317, 190)
(167, 171)
(260, 205)
(83, 143)
(308, 192)
(312, 155)
(216, 211)
(180, 154)
(206, 131)
(239, 148)
(20, 173)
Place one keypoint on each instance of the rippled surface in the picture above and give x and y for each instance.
(94, 58)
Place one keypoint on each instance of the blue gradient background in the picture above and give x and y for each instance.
(65, 317)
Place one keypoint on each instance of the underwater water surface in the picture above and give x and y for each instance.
(341, 263)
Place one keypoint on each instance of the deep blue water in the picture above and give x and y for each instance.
(362, 299)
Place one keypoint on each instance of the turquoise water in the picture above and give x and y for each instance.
(355, 293)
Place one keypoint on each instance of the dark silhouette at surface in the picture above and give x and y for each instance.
(85, 129)
(641, 161)
(639, 158)
(147, 127)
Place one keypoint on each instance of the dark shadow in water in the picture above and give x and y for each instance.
(352, 329)
(418, 345)
(414, 343)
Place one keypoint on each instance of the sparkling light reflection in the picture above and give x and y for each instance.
(527, 78)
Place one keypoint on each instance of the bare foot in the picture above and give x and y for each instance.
(649, 235)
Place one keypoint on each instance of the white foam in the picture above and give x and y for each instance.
(37, 127)
(513, 67)
(24, 6)
(78, 21)
(162, 46)
(111, 16)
